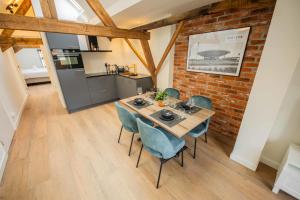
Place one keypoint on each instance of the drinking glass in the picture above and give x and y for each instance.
(139, 90)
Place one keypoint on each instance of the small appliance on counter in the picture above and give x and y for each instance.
(115, 69)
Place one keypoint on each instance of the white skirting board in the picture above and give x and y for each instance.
(3, 157)
(19, 115)
(270, 162)
(243, 161)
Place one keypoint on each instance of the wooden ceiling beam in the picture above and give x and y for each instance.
(59, 26)
(19, 43)
(22, 10)
(205, 10)
(48, 9)
(169, 47)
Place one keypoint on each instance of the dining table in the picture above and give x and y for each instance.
(184, 121)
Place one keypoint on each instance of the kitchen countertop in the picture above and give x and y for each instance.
(139, 76)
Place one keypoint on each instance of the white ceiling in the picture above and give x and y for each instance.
(125, 13)
(130, 13)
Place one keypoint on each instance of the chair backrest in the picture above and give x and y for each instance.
(172, 92)
(203, 102)
(127, 118)
(155, 140)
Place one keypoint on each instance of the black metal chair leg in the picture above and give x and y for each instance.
(131, 144)
(137, 164)
(182, 158)
(195, 146)
(120, 134)
(160, 168)
(205, 137)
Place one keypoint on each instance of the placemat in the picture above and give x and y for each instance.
(147, 103)
(194, 109)
(177, 119)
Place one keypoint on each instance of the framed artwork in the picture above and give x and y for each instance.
(218, 52)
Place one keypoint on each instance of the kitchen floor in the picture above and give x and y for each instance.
(56, 155)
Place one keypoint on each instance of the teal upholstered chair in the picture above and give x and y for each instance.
(172, 92)
(160, 144)
(128, 121)
(202, 128)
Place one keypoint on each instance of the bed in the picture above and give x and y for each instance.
(36, 75)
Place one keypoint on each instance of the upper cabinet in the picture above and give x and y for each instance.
(94, 44)
(62, 41)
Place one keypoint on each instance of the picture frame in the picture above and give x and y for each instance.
(219, 52)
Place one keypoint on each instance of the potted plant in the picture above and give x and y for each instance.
(160, 97)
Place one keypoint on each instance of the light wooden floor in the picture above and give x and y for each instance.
(57, 156)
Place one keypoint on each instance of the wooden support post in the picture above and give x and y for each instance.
(48, 8)
(169, 47)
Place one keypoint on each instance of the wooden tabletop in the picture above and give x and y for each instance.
(180, 129)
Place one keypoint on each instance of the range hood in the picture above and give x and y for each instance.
(94, 44)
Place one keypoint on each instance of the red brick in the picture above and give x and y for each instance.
(229, 94)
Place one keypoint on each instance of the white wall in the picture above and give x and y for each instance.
(13, 95)
(286, 129)
(28, 58)
(6, 134)
(277, 66)
(13, 89)
(122, 55)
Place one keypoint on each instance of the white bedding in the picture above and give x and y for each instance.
(35, 72)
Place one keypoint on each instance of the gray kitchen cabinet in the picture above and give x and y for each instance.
(62, 41)
(75, 88)
(102, 88)
(127, 87)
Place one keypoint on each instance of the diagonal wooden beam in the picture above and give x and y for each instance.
(59, 26)
(22, 10)
(99, 10)
(48, 8)
(149, 59)
(140, 57)
(107, 21)
(169, 47)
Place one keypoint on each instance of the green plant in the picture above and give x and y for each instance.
(160, 96)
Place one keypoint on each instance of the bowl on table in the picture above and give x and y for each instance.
(139, 101)
(167, 115)
(186, 106)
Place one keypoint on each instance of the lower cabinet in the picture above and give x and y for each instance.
(74, 88)
(81, 91)
(127, 87)
(102, 88)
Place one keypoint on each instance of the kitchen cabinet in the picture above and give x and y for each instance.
(102, 88)
(127, 86)
(74, 88)
(62, 41)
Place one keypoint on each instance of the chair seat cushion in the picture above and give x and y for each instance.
(198, 131)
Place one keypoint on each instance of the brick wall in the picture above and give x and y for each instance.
(229, 94)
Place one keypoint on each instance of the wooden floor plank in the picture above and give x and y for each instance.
(56, 155)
